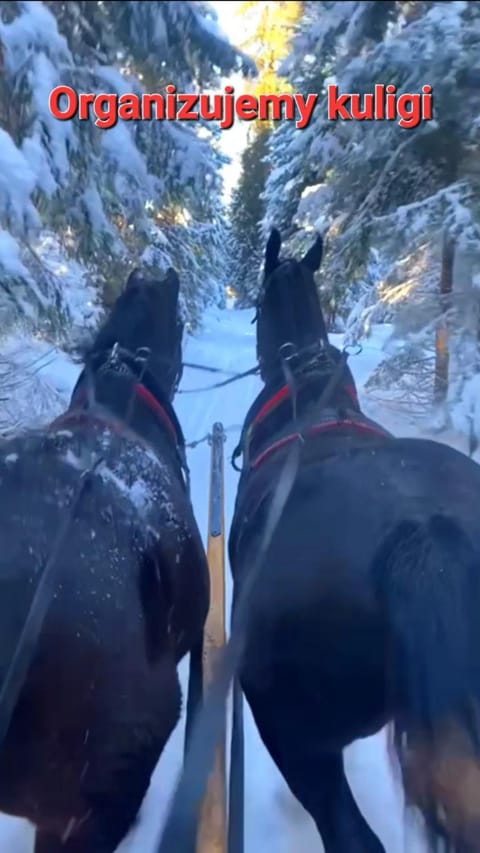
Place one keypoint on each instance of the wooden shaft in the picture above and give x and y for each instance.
(212, 832)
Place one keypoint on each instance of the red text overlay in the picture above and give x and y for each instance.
(383, 104)
(107, 109)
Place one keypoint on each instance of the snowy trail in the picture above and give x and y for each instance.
(275, 823)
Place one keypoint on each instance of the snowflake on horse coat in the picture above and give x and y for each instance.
(102, 695)
(366, 608)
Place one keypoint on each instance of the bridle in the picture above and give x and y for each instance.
(122, 361)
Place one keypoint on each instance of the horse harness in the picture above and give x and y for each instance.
(320, 417)
(133, 366)
(325, 430)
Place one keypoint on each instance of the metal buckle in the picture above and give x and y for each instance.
(143, 354)
(114, 356)
(291, 351)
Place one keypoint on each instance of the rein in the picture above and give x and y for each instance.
(25, 649)
(235, 378)
(181, 821)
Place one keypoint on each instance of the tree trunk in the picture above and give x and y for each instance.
(442, 355)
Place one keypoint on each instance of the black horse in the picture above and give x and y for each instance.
(367, 607)
(102, 695)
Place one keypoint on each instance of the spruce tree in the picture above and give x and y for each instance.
(104, 200)
(272, 25)
(389, 199)
(247, 210)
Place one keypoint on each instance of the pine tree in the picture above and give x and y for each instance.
(386, 197)
(247, 210)
(72, 193)
(272, 25)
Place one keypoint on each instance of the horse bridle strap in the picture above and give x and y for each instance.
(121, 362)
(124, 362)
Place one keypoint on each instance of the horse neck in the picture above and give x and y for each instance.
(131, 406)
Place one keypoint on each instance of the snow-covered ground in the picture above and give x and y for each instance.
(275, 823)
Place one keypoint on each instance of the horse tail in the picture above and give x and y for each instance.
(427, 579)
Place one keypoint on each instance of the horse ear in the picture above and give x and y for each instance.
(313, 257)
(135, 278)
(272, 251)
(172, 281)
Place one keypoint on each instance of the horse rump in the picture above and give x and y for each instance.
(427, 578)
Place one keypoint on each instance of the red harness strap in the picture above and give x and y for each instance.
(153, 404)
(317, 429)
(283, 394)
(140, 391)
